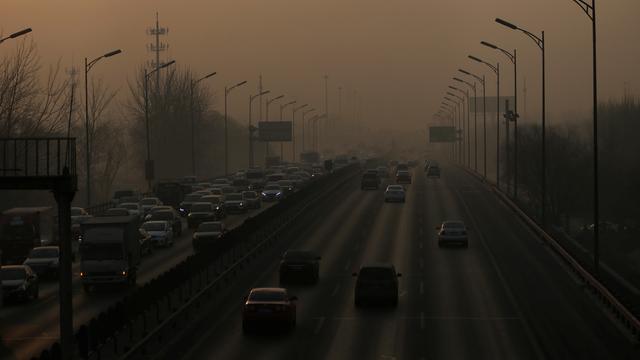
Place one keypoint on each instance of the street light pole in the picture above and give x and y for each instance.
(282, 107)
(514, 60)
(496, 70)
(484, 118)
(304, 113)
(149, 168)
(590, 10)
(269, 101)
(87, 67)
(228, 90)
(251, 130)
(465, 127)
(193, 124)
(293, 130)
(540, 43)
(16, 34)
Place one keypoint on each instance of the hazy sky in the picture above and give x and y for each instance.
(399, 55)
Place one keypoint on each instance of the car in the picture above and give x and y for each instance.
(185, 205)
(272, 192)
(135, 209)
(155, 209)
(44, 260)
(383, 172)
(286, 186)
(296, 180)
(394, 193)
(234, 203)
(276, 177)
(292, 170)
(370, 180)
(117, 211)
(161, 232)
(218, 202)
(19, 282)
(121, 196)
(148, 203)
(201, 212)
(402, 167)
(251, 199)
(208, 234)
(270, 307)
(376, 283)
(78, 215)
(189, 179)
(299, 265)
(171, 216)
(452, 232)
(241, 184)
(217, 191)
(433, 171)
(403, 177)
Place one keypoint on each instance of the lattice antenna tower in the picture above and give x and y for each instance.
(157, 47)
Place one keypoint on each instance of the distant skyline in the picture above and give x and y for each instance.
(399, 56)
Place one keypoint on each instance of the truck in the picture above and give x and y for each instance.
(170, 193)
(110, 251)
(22, 229)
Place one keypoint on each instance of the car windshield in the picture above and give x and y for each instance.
(272, 187)
(249, 195)
(13, 274)
(43, 253)
(267, 296)
(201, 207)
(395, 188)
(299, 255)
(129, 206)
(162, 215)
(453, 225)
(192, 197)
(239, 182)
(149, 201)
(234, 197)
(154, 226)
(210, 227)
(370, 176)
(376, 274)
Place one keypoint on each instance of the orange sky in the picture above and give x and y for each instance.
(399, 55)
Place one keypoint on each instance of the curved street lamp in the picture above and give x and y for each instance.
(193, 123)
(16, 34)
(475, 117)
(252, 129)
(227, 91)
(540, 43)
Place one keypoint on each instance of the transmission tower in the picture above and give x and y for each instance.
(157, 47)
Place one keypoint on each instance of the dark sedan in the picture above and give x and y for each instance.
(171, 216)
(201, 212)
(299, 265)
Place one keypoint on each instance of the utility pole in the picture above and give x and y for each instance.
(326, 104)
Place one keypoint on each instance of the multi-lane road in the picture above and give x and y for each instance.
(504, 297)
(28, 328)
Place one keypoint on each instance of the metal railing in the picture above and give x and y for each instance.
(37, 157)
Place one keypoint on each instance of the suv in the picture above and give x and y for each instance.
(377, 283)
(370, 180)
(300, 265)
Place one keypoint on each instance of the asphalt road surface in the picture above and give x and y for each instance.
(504, 297)
(28, 328)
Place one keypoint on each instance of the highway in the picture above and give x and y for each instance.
(505, 297)
(27, 328)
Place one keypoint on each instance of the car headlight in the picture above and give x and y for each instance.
(241, 204)
(279, 193)
(264, 193)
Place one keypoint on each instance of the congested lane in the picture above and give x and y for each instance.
(27, 328)
(454, 302)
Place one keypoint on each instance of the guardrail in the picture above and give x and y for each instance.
(127, 328)
(622, 313)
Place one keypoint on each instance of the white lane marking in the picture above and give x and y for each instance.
(422, 320)
(421, 287)
(335, 290)
(318, 325)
